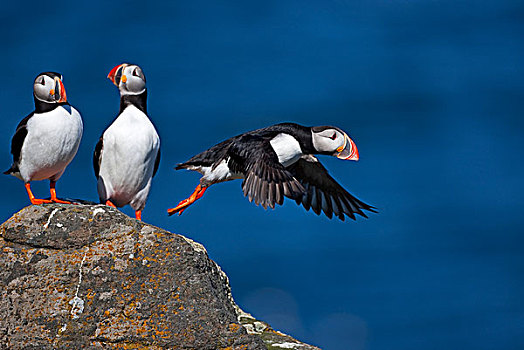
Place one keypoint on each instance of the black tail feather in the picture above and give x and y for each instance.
(11, 170)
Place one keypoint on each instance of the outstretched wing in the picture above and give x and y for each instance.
(266, 180)
(323, 193)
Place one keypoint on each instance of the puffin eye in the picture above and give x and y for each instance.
(135, 72)
(42, 81)
(334, 136)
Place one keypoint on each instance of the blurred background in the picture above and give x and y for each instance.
(431, 91)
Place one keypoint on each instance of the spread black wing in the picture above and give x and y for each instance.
(97, 155)
(323, 193)
(266, 180)
(17, 142)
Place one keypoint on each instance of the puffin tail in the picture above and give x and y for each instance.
(14, 170)
(180, 166)
(11, 170)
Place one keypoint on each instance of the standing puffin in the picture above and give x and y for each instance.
(127, 154)
(46, 141)
(277, 162)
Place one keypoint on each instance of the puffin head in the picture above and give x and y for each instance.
(333, 141)
(48, 87)
(129, 79)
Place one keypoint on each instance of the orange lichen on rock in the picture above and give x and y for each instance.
(95, 278)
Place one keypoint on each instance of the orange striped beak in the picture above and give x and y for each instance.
(348, 151)
(115, 75)
(59, 91)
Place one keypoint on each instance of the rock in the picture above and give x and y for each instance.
(90, 277)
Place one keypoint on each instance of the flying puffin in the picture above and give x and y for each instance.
(127, 154)
(277, 162)
(46, 141)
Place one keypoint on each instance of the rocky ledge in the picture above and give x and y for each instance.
(90, 277)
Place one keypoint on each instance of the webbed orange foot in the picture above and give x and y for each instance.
(179, 209)
(38, 201)
(52, 189)
(35, 201)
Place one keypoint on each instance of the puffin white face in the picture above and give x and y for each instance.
(48, 87)
(129, 79)
(331, 140)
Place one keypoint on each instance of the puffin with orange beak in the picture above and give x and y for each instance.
(46, 141)
(127, 154)
(277, 162)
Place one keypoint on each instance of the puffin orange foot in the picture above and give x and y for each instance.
(199, 192)
(56, 200)
(53, 194)
(179, 209)
(35, 201)
(138, 215)
(109, 203)
(38, 201)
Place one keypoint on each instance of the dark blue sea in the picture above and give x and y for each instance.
(432, 92)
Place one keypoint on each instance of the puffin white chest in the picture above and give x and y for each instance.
(287, 149)
(51, 143)
(130, 148)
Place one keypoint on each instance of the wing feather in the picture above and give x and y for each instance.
(323, 193)
(266, 181)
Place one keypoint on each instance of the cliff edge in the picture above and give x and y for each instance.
(90, 277)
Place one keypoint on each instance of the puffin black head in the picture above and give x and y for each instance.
(48, 88)
(333, 141)
(129, 79)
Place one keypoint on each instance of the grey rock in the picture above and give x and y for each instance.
(90, 277)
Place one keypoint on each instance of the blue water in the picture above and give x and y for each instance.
(432, 92)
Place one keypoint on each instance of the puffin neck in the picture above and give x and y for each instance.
(139, 101)
(43, 107)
